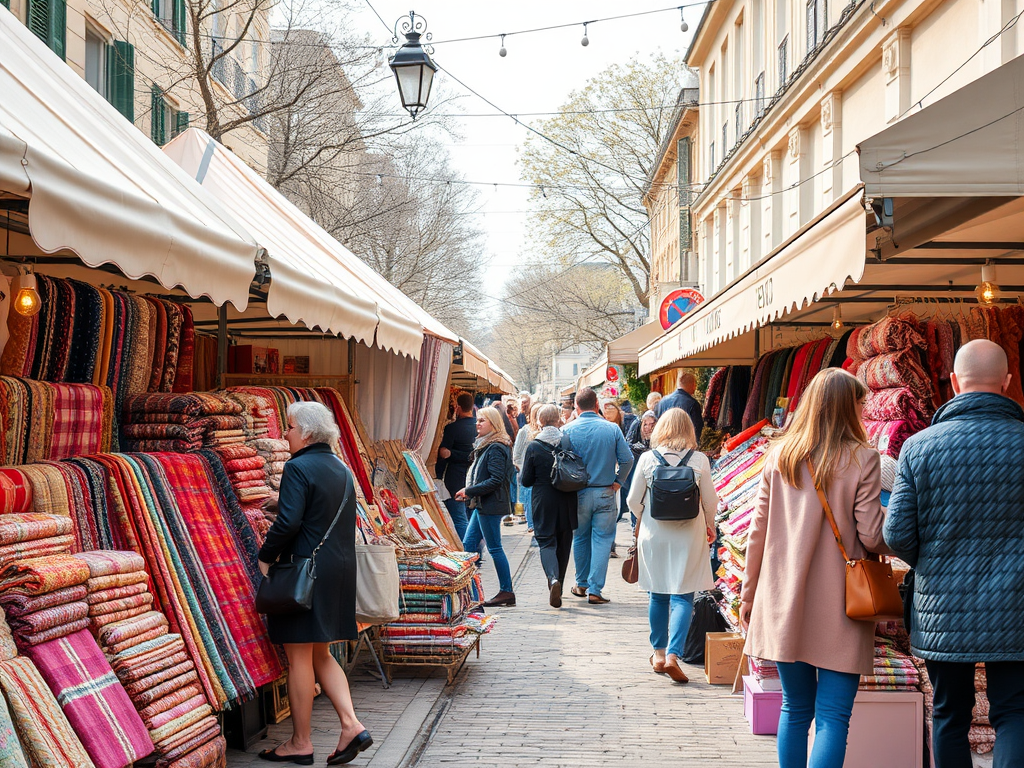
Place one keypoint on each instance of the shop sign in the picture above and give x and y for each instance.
(677, 305)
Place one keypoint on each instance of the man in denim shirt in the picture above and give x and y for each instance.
(608, 459)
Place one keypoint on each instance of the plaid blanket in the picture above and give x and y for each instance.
(44, 574)
(147, 651)
(36, 548)
(133, 673)
(48, 618)
(102, 619)
(170, 701)
(112, 634)
(114, 580)
(46, 736)
(143, 600)
(78, 422)
(147, 696)
(93, 700)
(131, 642)
(202, 747)
(24, 641)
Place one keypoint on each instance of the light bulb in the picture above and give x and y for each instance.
(26, 294)
(837, 318)
(586, 40)
(503, 53)
(684, 27)
(987, 291)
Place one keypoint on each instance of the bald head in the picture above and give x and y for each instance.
(687, 382)
(980, 366)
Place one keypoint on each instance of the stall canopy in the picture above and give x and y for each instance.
(968, 144)
(314, 279)
(100, 188)
(813, 263)
(624, 350)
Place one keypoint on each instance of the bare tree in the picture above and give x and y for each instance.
(589, 183)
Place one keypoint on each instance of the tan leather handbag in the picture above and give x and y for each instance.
(871, 590)
(631, 567)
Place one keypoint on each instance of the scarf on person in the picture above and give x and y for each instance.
(481, 444)
(550, 435)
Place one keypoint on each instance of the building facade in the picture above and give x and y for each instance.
(142, 58)
(565, 368)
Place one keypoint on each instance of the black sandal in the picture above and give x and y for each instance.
(272, 756)
(359, 744)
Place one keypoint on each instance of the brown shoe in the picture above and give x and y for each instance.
(507, 599)
(578, 591)
(597, 600)
(673, 670)
(555, 594)
(659, 666)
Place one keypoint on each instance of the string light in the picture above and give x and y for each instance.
(502, 51)
(683, 26)
(586, 40)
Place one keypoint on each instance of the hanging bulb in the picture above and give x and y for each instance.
(683, 26)
(988, 291)
(837, 318)
(25, 289)
(586, 40)
(502, 52)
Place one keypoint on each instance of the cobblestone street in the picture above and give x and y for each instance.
(552, 688)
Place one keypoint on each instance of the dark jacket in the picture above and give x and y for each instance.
(458, 437)
(553, 510)
(957, 515)
(489, 492)
(314, 485)
(683, 399)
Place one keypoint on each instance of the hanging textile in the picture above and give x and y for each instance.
(425, 381)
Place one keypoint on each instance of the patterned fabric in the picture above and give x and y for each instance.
(15, 528)
(894, 404)
(890, 334)
(49, 489)
(15, 492)
(889, 436)
(45, 574)
(109, 563)
(192, 404)
(19, 605)
(147, 651)
(184, 741)
(144, 600)
(48, 618)
(183, 377)
(156, 678)
(46, 736)
(98, 620)
(117, 593)
(137, 672)
(113, 634)
(897, 369)
(53, 633)
(175, 318)
(147, 696)
(8, 650)
(244, 465)
(92, 698)
(11, 753)
(169, 702)
(114, 580)
(86, 336)
(198, 753)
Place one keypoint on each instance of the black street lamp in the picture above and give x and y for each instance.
(412, 66)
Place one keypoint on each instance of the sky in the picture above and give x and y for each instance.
(539, 72)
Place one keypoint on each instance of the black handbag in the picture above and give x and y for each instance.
(568, 471)
(675, 494)
(288, 586)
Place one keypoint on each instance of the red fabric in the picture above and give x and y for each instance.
(349, 443)
(244, 465)
(15, 492)
(186, 355)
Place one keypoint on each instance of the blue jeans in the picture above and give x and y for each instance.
(457, 509)
(513, 487)
(670, 621)
(525, 497)
(592, 544)
(489, 526)
(810, 693)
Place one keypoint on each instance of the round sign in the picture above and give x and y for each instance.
(677, 304)
(612, 374)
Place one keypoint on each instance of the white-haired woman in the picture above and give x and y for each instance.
(317, 490)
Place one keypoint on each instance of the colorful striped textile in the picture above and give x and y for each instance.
(8, 650)
(19, 605)
(119, 605)
(26, 527)
(11, 753)
(203, 748)
(114, 634)
(43, 574)
(45, 734)
(15, 492)
(93, 700)
(116, 580)
(28, 550)
(117, 593)
(108, 563)
(48, 618)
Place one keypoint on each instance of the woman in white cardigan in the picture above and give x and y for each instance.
(673, 555)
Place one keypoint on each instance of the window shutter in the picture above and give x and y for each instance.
(47, 19)
(121, 78)
(6, 4)
(181, 121)
(58, 26)
(179, 22)
(38, 19)
(683, 170)
(822, 19)
(155, 5)
(157, 112)
(812, 25)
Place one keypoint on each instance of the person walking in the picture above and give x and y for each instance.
(639, 441)
(317, 499)
(487, 495)
(554, 511)
(686, 385)
(653, 398)
(608, 459)
(955, 516)
(568, 413)
(672, 555)
(628, 417)
(525, 407)
(793, 600)
(526, 434)
(453, 457)
(613, 413)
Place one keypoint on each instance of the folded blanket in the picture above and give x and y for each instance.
(890, 334)
(203, 751)
(170, 701)
(183, 728)
(93, 700)
(178, 747)
(251, 494)
(18, 605)
(152, 681)
(15, 528)
(896, 370)
(163, 719)
(148, 651)
(101, 620)
(132, 642)
(45, 574)
(894, 404)
(889, 436)
(277, 467)
(107, 562)
(120, 631)
(248, 474)
(230, 452)
(24, 641)
(135, 673)
(28, 550)
(116, 580)
(147, 696)
(144, 599)
(46, 735)
(162, 446)
(11, 753)
(270, 444)
(184, 432)
(116, 593)
(192, 404)
(48, 618)
(8, 650)
(243, 465)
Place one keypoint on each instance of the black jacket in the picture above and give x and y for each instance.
(490, 490)
(683, 399)
(553, 510)
(458, 438)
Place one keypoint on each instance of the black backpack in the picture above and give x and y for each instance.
(568, 472)
(675, 494)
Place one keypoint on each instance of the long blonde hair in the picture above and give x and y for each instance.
(498, 433)
(824, 427)
(674, 430)
(532, 422)
(617, 421)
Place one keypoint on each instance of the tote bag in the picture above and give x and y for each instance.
(377, 585)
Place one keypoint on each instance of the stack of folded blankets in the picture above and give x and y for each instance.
(275, 453)
(44, 598)
(155, 668)
(27, 536)
(894, 669)
(257, 410)
(116, 595)
(181, 422)
(246, 471)
(766, 673)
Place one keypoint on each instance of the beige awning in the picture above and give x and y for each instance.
(815, 262)
(101, 189)
(594, 375)
(967, 144)
(626, 349)
(475, 361)
(315, 280)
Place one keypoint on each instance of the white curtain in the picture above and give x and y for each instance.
(384, 391)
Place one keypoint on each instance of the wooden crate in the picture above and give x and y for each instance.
(275, 701)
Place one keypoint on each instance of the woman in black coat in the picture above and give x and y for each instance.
(317, 491)
(554, 511)
(487, 496)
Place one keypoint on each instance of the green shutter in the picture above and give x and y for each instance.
(47, 19)
(6, 4)
(58, 26)
(181, 120)
(155, 5)
(179, 22)
(157, 111)
(121, 78)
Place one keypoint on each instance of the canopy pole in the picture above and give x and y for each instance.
(757, 344)
(222, 344)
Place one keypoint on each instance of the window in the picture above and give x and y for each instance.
(6, 4)
(739, 120)
(725, 140)
(784, 61)
(166, 122)
(171, 15)
(96, 63)
(48, 21)
(759, 104)
(711, 157)
(817, 23)
(575, 369)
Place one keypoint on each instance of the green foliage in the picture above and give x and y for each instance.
(637, 388)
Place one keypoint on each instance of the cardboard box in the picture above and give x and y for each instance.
(761, 708)
(722, 653)
(296, 364)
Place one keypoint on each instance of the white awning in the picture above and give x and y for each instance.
(475, 361)
(967, 144)
(626, 349)
(101, 189)
(594, 375)
(815, 262)
(314, 278)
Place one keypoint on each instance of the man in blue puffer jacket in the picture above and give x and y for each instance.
(957, 515)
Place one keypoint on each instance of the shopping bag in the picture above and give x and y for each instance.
(377, 585)
(706, 618)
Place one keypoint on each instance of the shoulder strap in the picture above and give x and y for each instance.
(564, 444)
(686, 458)
(828, 514)
(334, 522)
(660, 459)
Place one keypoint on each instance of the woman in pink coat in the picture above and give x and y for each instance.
(793, 601)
